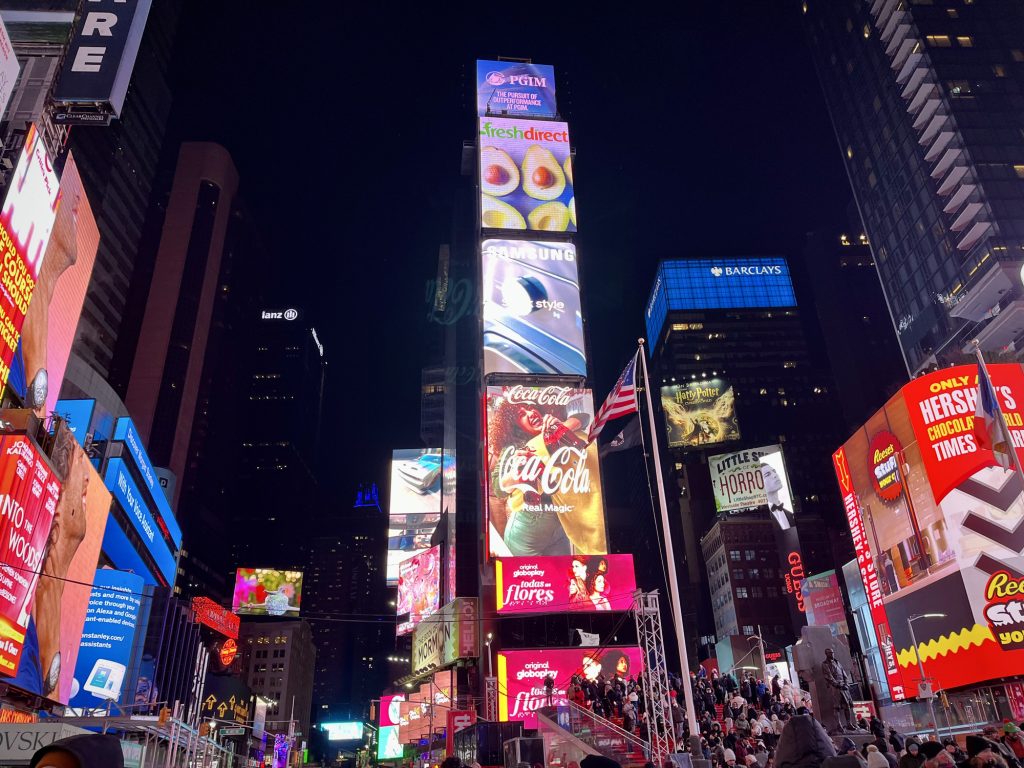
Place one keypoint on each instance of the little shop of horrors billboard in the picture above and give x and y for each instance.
(938, 527)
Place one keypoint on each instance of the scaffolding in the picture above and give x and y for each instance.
(654, 680)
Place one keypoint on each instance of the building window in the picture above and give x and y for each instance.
(757, 592)
(1019, 170)
(938, 41)
(779, 629)
(999, 70)
(741, 592)
(737, 573)
(748, 629)
(755, 573)
(965, 41)
(773, 591)
(734, 555)
(751, 554)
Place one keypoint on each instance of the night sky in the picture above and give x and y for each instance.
(700, 130)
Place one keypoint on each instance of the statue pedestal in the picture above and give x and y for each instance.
(809, 653)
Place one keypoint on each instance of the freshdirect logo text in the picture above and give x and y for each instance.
(531, 134)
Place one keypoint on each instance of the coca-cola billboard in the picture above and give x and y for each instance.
(544, 490)
(559, 584)
(521, 676)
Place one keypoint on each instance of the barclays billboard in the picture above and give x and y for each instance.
(708, 284)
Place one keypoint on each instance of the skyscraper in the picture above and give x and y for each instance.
(925, 102)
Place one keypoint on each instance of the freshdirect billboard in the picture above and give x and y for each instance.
(515, 88)
(107, 638)
(939, 530)
(526, 179)
(29, 493)
(544, 495)
(533, 322)
(49, 330)
(521, 676)
(414, 508)
(419, 586)
(26, 222)
(267, 592)
(560, 584)
(700, 413)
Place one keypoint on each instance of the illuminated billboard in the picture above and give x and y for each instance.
(566, 583)
(210, 614)
(753, 479)
(26, 221)
(419, 585)
(118, 479)
(824, 601)
(29, 493)
(515, 88)
(526, 175)
(936, 529)
(348, 731)
(521, 676)
(703, 284)
(267, 592)
(389, 742)
(700, 413)
(533, 322)
(49, 330)
(414, 508)
(107, 638)
(8, 67)
(430, 703)
(544, 491)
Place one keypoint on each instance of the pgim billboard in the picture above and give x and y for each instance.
(544, 483)
(700, 413)
(515, 88)
(533, 321)
(526, 175)
(936, 526)
(52, 318)
(26, 221)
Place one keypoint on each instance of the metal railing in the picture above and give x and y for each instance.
(601, 734)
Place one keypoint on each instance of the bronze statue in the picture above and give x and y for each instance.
(838, 681)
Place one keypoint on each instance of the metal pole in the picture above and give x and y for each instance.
(1003, 429)
(676, 606)
(764, 661)
(920, 667)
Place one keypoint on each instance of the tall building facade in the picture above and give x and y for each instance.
(163, 390)
(926, 104)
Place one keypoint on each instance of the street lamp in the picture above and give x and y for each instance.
(920, 664)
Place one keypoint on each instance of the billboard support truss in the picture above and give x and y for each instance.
(647, 614)
(491, 699)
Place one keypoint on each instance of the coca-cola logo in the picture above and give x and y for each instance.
(565, 472)
(540, 395)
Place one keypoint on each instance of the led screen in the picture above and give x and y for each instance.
(753, 479)
(700, 413)
(531, 305)
(544, 489)
(567, 583)
(824, 601)
(389, 741)
(127, 494)
(419, 584)
(49, 329)
(107, 637)
(415, 504)
(526, 177)
(521, 676)
(515, 88)
(342, 731)
(935, 525)
(703, 284)
(29, 492)
(426, 707)
(62, 594)
(267, 592)
(26, 221)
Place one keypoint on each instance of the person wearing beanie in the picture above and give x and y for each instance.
(875, 758)
(730, 758)
(930, 749)
(92, 750)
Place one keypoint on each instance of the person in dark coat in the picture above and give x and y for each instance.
(804, 743)
(93, 750)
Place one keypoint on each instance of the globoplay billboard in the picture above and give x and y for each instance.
(568, 583)
(515, 88)
(533, 322)
(937, 528)
(521, 675)
(26, 221)
(544, 493)
(526, 175)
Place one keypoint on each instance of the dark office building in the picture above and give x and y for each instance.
(861, 344)
(733, 326)
(926, 101)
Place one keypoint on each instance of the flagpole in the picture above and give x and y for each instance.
(999, 409)
(677, 610)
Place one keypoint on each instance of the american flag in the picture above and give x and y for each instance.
(620, 402)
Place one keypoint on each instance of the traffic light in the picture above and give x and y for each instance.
(165, 715)
(204, 729)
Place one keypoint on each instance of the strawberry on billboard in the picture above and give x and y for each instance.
(544, 495)
(936, 527)
(29, 491)
(26, 221)
(567, 583)
(521, 676)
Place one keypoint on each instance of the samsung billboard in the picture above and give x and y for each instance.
(709, 284)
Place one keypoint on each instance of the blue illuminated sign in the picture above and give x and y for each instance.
(515, 89)
(119, 548)
(125, 431)
(120, 483)
(708, 284)
(78, 414)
